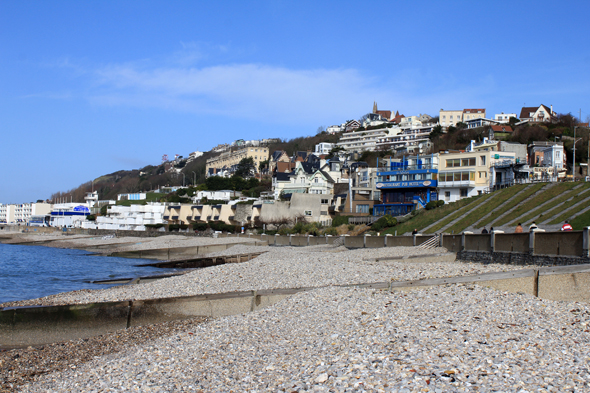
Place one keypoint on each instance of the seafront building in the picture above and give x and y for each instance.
(69, 215)
(21, 213)
(129, 218)
(406, 184)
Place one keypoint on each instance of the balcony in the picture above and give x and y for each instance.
(456, 183)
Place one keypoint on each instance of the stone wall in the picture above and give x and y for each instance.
(517, 258)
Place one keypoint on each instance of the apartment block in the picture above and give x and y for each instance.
(229, 158)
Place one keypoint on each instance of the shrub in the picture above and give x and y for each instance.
(222, 226)
(440, 203)
(431, 205)
(331, 231)
(339, 220)
(351, 227)
(91, 217)
(199, 226)
(384, 222)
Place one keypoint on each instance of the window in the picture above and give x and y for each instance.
(453, 163)
(482, 160)
(463, 192)
(447, 194)
(308, 213)
(324, 201)
(362, 208)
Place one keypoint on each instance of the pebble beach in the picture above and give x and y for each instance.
(440, 339)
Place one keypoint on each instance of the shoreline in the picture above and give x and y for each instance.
(338, 338)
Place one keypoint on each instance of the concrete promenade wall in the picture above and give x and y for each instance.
(179, 252)
(24, 326)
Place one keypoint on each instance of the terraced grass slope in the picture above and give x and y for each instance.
(520, 203)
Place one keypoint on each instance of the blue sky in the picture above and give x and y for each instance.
(91, 87)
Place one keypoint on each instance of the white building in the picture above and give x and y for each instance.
(323, 148)
(504, 117)
(129, 218)
(6, 214)
(21, 213)
(69, 215)
(335, 129)
(553, 157)
(137, 196)
(220, 195)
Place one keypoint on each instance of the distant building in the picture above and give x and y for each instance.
(540, 114)
(229, 158)
(449, 118)
(323, 148)
(69, 215)
(504, 117)
(129, 218)
(21, 213)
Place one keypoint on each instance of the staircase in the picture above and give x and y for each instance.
(433, 242)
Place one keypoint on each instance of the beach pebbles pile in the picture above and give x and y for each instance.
(284, 267)
(455, 338)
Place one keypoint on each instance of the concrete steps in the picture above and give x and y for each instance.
(425, 230)
(476, 224)
(509, 211)
(520, 218)
(443, 229)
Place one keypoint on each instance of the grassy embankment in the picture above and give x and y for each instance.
(477, 201)
(532, 203)
(498, 198)
(553, 196)
(576, 200)
(427, 217)
(521, 196)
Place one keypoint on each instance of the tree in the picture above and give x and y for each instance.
(321, 130)
(246, 167)
(436, 132)
(512, 121)
(461, 125)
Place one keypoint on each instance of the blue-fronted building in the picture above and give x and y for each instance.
(407, 183)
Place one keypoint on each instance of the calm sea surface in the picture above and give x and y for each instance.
(28, 272)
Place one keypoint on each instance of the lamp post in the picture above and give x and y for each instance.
(574, 163)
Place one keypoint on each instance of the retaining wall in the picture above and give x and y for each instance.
(24, 326)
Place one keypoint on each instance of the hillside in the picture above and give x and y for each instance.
(152, 177)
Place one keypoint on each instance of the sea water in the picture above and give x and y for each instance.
(28, 272)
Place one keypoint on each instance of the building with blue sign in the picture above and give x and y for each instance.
(69, 215)
(408, 182)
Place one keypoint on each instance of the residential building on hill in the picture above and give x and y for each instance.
(466, 174)
(449, 118)
(504, 117)
(230, 158)
(540, 114)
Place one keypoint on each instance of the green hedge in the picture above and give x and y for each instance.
(384, 222)
(339, 220)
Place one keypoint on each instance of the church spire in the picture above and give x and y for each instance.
(374, 107)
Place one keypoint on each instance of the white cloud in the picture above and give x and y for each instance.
(242, 90)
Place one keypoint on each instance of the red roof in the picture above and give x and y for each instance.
(474, 111)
